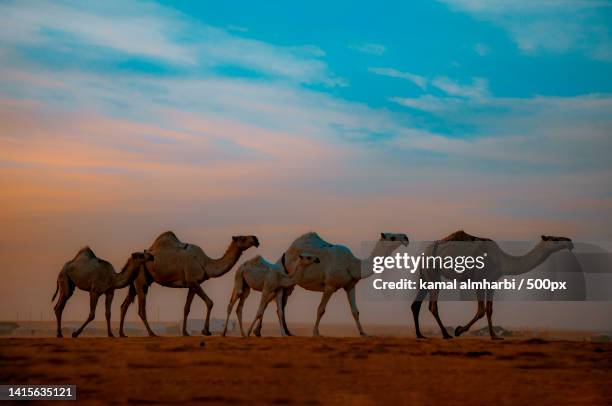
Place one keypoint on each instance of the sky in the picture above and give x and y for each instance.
(119, 121)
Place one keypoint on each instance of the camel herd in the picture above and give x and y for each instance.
(310, 262)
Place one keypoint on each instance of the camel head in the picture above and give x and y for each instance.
(399, 239)
(557, 243)
(244, 242)
(140, 258)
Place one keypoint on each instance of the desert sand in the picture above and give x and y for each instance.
(328, 370)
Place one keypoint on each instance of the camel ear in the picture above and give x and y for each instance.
(544, 238)
(382, 235)
(135, 255)
(234, 238)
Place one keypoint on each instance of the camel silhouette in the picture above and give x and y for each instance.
(98, 277)
(498, 264)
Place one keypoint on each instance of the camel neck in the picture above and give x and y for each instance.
(382, 248)
(126, 276)
(520, 264)
(219, 267)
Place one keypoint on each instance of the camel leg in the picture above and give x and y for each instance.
(350, 295)
(266, 297)
(129, 299)
(280, 312)
(416, 309)
(141, 292)
(93, 302)
(489, 310)
(209, 305)
(66, 290)
(239, 315)
(230, 306)
(480, 312)
(245, 294)
(257, 330)
(108, 301)
(321, 309)
(286, 293)
(190, 296)
(433, 308)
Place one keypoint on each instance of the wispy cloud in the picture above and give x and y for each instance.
(481, 49)
(370, 48)
(476, 90)
(420, 81)
(150, 31)
(557, 26)
(479, 87)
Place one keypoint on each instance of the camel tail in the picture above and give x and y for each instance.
(56, 290)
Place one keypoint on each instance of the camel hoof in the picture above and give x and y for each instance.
(421, 337)
(206, 332)
(185, 334)
(497, 338)
(363, 334)
(60, 335)
(257, 334)
(448, 337)
(154, 335)
(111, 336)
(459, 330)
(122, 335)
(75, 334)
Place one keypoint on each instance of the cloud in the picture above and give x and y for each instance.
(543, 25)
(478, 89)
(420, 81)
(370, 48)
(481, 49)
(146, 30)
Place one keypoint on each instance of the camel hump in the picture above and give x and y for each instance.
(256, 260)
(463, 236)
(167, 235)
(313, 240)
(85, 251)
(168, 239)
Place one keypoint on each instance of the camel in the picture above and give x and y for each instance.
(182, 265)
(96, 276)
(270, 279)
(498, 264)
(338, 268)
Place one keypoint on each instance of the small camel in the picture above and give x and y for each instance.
(498, 264)
(182, 265)
(96, 276)
(270, 279)
(338, 268)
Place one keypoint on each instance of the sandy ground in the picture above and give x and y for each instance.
(274, 370)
